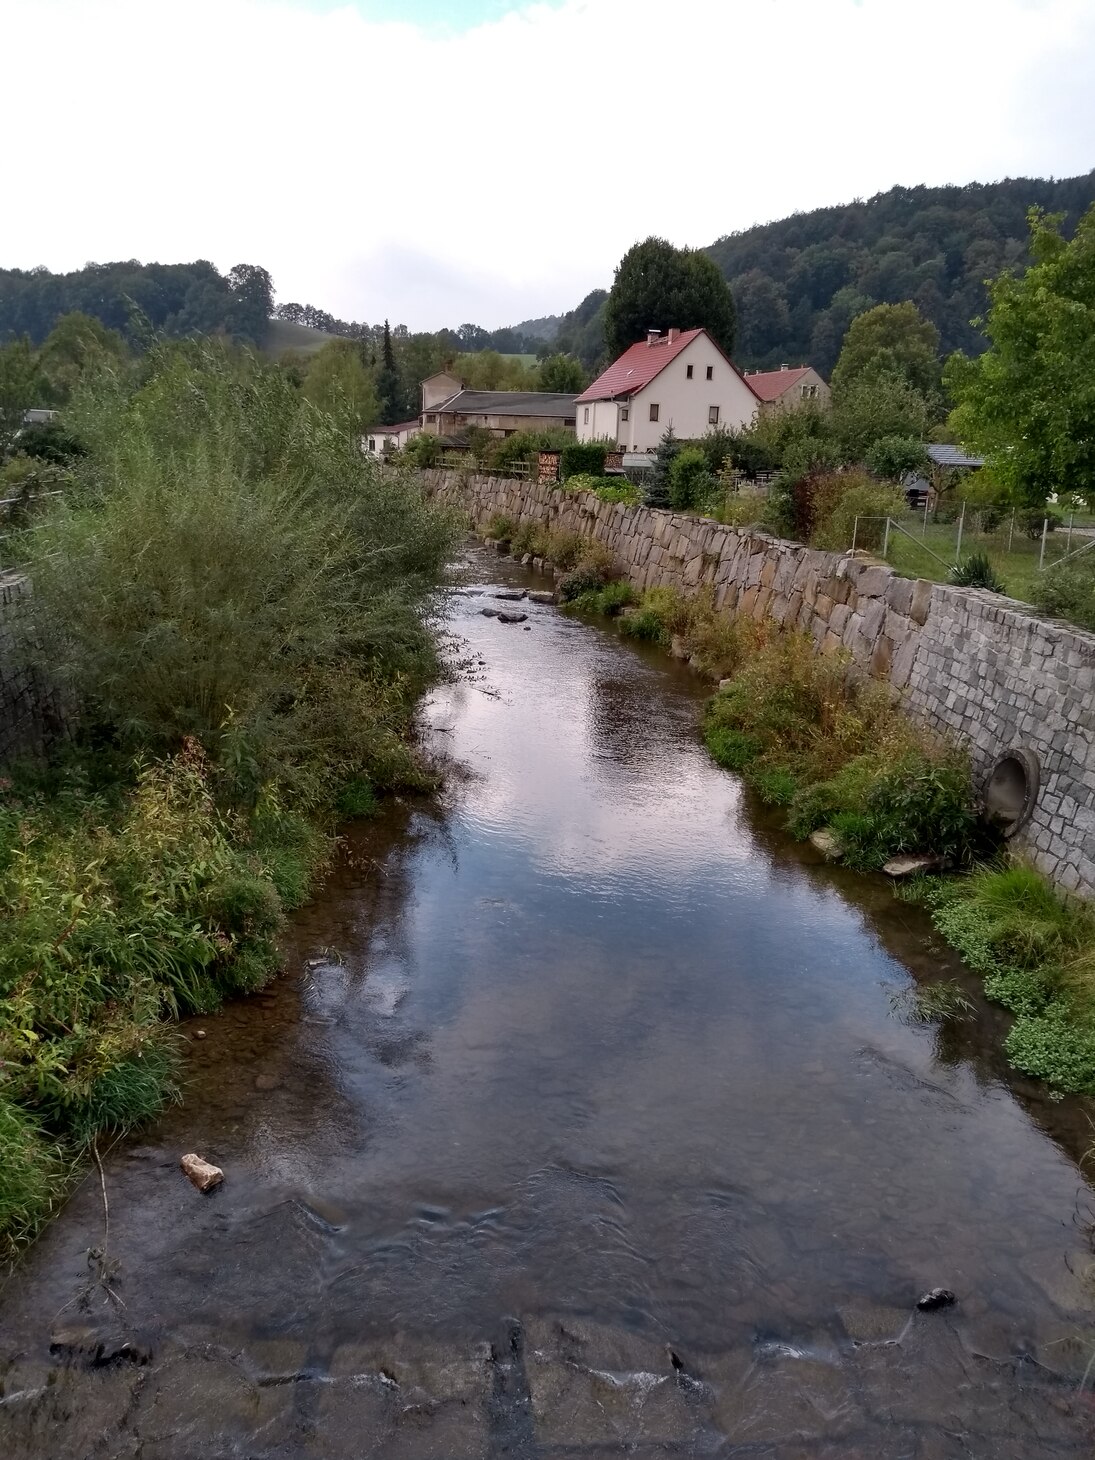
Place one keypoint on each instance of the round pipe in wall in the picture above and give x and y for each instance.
(1011, 790)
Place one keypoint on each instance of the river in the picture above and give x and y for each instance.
(590, 1118)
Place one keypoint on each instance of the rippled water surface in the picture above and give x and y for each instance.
(588, 1120)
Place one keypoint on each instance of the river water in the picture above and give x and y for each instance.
(589, 1119)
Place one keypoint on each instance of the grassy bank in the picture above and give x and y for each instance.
(238, 612)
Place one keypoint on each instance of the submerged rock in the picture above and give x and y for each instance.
(937, 1298)
(201, 1173)
(826, 843)
(97, 1348)
(910, 866)
(512, 618)
(491, 612)
(510, 595)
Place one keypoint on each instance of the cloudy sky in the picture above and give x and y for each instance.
(437, 161)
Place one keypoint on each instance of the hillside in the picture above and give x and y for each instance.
(283, 334)
(799, 282)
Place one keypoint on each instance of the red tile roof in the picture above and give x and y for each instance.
(638, 366)
(770, 384)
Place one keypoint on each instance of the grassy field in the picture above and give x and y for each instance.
(284, 335)
(929, 551)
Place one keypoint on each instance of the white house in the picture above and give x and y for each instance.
(680, 379)
(389, 438)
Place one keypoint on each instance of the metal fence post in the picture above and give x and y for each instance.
(927, 499)
(886, 540)
(1068, 545)
(1011, 529)
(1042, 553)
(855, 532)
(958, 544)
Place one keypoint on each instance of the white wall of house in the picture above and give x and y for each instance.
(684, 401)
(438, 388)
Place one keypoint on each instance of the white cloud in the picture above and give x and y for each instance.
(381, 169)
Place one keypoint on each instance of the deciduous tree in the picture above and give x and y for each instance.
(661, 287)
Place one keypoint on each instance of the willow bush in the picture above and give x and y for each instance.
(238, 607)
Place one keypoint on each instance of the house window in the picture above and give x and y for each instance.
(625, 414)
(585, 416)
(712, 415)
(430, 420)
(653, 412)
(690, 372)
(710, 372)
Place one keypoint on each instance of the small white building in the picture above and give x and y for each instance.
(680, 379)
(382, 439)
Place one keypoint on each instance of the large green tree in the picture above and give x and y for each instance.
(660, 287)
(562, 373)
(389, 388)
(338, 383)
(891, 339)
(1028, 403)
(23, 385)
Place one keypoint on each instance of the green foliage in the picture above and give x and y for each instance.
(659, 484)
(584, 457)
(563, 373)
(976, 571)
(357, 798)
(874, 406)
(892, 456)
(931, 1002)
(657, 286)
(607, 601)
(690, 479)
(586, 578)
(850, 504)
(341, 385)
(1068, 592)
(1036, 520)
(618, 489)
(523, 446)
(1037, 955)
(890, 339)
(31, 1174)
(1026, 404)
(502, 526)
(423, 450)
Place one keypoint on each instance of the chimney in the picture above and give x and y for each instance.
(674, 334)
(653, 336)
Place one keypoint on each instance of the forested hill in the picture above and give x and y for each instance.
(797, 283)
(177, 299)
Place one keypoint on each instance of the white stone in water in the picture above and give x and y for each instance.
(909, 866)
(201, 1173)
(826, 843)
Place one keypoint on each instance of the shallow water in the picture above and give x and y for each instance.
(587, 1120)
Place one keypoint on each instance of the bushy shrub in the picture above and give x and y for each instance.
(584, 457)
(842, 498)
(501, 526)
(1068, 592)
(582, 580)
(423, 450)
(608, 600)
(690, 479)
(741, 509)
(1034, 519)
(892, 456)
(976, 571)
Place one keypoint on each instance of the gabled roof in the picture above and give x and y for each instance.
(639, 365)
(403, 426)
(771, 384)
(507, 403)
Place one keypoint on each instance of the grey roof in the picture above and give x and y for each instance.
(509, 403)
(953, 456)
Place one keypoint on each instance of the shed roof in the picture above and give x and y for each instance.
(508, 403)
(944, 455)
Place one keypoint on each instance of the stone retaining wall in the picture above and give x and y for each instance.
(977, 666)
(30, 714)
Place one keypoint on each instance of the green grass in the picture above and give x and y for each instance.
(283, 335)
(1015, 562)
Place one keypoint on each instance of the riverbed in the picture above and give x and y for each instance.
(591, 1117)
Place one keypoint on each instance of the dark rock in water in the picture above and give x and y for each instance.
(937, 1298)
(97, 1348)
(511, 595)
(512, 618)
(527, 629)
(491, 612)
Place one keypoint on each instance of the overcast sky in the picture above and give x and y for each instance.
(436, 161)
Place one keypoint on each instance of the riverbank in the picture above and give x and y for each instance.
(237, 613)
(838, 757)
(590, 1116)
